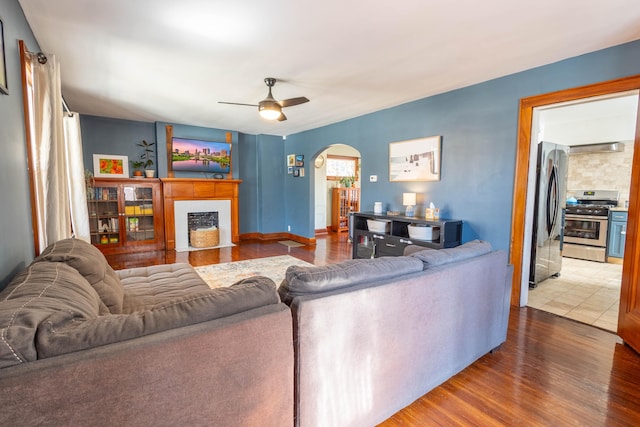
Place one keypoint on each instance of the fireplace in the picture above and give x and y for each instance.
(184, 195)
(200, 214)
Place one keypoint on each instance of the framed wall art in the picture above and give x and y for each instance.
(415, 160)
(110, 166)
(4, 88)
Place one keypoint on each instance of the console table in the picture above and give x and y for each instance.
(372, 244)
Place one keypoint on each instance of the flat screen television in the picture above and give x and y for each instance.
(193, 155)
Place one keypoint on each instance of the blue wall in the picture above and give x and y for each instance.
(16, 247)
(478, 125)
(272, 199)
(102, 135)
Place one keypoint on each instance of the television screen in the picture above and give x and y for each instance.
(191, 155)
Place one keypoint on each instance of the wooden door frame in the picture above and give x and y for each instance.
(523, 150)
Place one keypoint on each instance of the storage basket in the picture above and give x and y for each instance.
(423, 232)
(204, 237)
(378, 225)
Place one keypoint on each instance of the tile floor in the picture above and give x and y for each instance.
(586, 291)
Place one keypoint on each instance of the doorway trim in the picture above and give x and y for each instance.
(523, 149)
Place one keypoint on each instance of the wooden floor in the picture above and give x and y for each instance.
(551, 371)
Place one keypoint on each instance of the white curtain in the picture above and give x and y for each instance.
(57, 171)
(75, 179)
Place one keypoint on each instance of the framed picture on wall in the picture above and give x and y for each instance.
(415, 160)
(4, 88)
(110, 166)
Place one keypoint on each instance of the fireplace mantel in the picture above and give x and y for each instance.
(198, 189)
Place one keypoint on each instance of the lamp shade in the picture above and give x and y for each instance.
(409, 199)
(269, 110)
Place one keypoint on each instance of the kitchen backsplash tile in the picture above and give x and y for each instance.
(602, 171)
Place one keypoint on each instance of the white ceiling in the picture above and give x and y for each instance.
(172, 61)
(610, 118)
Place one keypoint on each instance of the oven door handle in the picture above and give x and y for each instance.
(582, 217)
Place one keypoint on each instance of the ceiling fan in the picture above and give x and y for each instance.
(269, 108)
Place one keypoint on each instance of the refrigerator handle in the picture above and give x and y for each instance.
(552, 199)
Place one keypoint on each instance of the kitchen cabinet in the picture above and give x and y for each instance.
(344, 201)
(395, 237)
(617, 234)
(126, 215)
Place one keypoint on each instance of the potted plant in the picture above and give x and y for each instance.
(137, 166)
(348, 181)
(146, 157)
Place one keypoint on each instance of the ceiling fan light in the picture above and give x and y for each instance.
(270, 111)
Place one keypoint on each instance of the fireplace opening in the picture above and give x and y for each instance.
(203, 221)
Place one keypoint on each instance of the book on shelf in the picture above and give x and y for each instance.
(133, 224)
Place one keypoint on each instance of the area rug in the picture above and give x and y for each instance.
(225, 274)
(290, 243)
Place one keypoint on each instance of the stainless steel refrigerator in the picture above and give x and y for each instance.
(551, 190)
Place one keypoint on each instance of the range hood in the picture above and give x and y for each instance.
(608, 147)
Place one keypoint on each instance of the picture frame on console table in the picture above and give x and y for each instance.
(415, 160)
(110, 166)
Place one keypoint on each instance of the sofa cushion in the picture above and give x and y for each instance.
(435, 257)
(42, 290)
(64, 333)
(146, 287)
(92, 265)
(309, 280)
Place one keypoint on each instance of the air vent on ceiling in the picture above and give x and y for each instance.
(609, 147)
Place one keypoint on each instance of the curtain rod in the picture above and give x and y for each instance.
(64, 104)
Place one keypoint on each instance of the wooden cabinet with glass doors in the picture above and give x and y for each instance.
(126, 215)
(344, 202)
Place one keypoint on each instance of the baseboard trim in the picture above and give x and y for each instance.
(321, 231)
(278, 236)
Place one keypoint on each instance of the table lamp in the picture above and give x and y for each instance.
(409, 200)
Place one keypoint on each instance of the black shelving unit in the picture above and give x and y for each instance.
(373, 244)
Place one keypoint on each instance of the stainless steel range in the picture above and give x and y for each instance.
(585, 226)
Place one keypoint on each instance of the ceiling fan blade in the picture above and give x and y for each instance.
(282, 117)
(293, 101)
(237, 103)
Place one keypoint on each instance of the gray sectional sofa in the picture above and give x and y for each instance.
(372, 336)
(81, 344)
